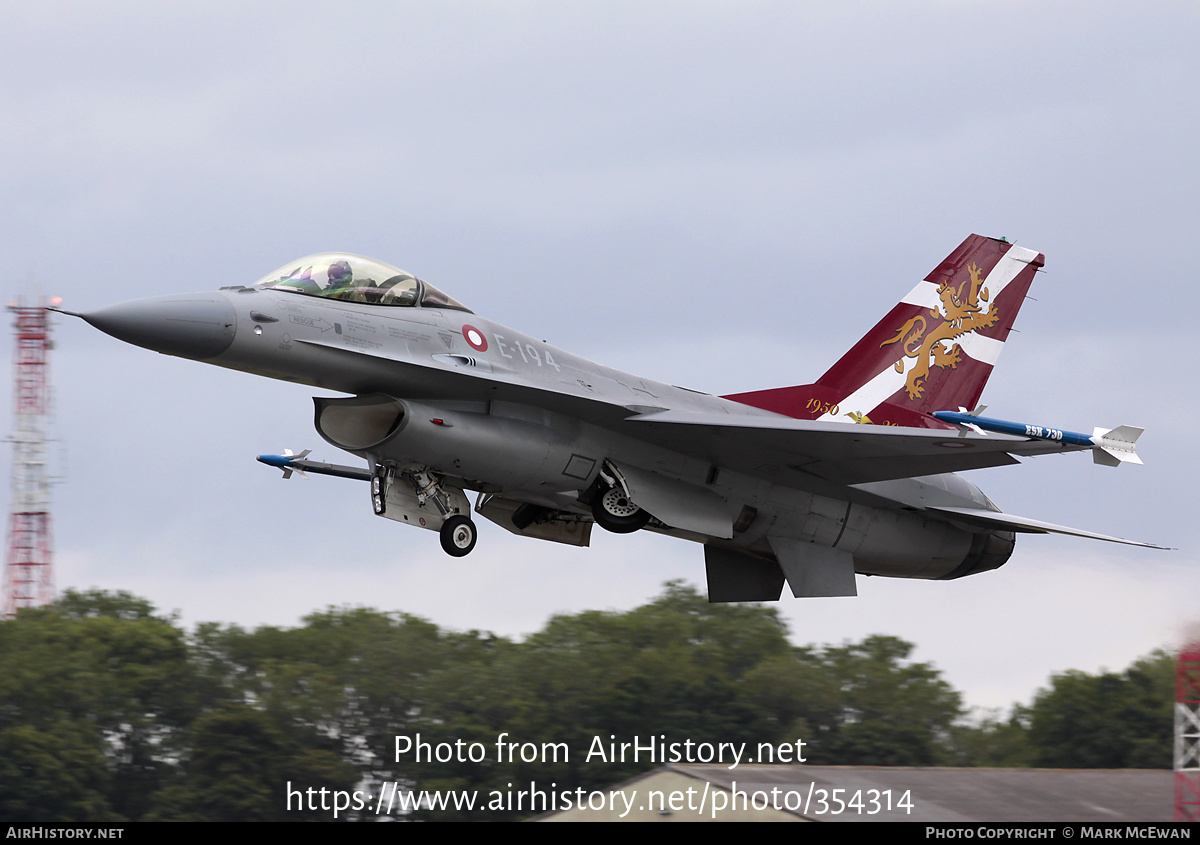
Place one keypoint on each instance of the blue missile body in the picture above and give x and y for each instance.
(1038, 432)
(300, 463)
(278, 461)
(1110, 447)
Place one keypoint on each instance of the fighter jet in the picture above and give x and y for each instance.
(807, 485)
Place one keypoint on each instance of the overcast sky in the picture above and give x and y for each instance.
(719, 195)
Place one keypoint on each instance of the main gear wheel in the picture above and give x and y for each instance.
(616, 512)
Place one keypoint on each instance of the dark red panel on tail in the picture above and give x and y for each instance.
(933, 351)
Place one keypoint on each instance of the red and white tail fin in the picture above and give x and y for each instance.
(933, 351)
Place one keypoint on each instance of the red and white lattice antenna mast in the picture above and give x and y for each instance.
(1187, 733)
(29, 568)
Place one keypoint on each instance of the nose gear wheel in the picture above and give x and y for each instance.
(458, 536)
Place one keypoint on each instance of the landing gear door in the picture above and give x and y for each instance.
(393, 496)
(679, 504)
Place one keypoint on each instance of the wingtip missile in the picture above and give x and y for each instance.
(1110, 447)
(286, 462)
(279, 461)
(290, 463)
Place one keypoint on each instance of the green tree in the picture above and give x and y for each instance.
(991, 740)
(674, 668)
(109, 711)
(890, 712)
(57, 773)
(1108, 720)
(242, 767)
(99, 685)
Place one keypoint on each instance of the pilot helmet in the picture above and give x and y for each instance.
(339, 274)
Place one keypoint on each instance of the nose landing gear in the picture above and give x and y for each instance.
(458, 535)
(426, 501)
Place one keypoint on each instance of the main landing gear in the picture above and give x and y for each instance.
(615, 512)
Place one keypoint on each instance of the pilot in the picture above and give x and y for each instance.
(341, 280)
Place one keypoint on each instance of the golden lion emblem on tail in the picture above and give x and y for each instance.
(959, 315)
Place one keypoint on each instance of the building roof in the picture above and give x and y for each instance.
(807, 793)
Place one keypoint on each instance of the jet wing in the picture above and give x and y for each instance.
(770, 446)
(1023, 524)
(379, 373)
(837, 452)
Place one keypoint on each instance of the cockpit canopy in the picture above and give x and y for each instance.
(353, 278)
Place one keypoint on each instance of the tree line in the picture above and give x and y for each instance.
(110, 711)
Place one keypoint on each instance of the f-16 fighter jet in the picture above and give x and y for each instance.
(806, 485)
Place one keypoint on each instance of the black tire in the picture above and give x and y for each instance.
(614, 512)
(458, 536)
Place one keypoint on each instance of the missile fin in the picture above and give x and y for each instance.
(1116, 446)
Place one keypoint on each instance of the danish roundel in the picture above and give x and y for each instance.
(475, 338)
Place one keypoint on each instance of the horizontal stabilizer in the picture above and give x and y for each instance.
(1022, 524)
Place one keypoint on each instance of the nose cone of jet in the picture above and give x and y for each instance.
(191, 325)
